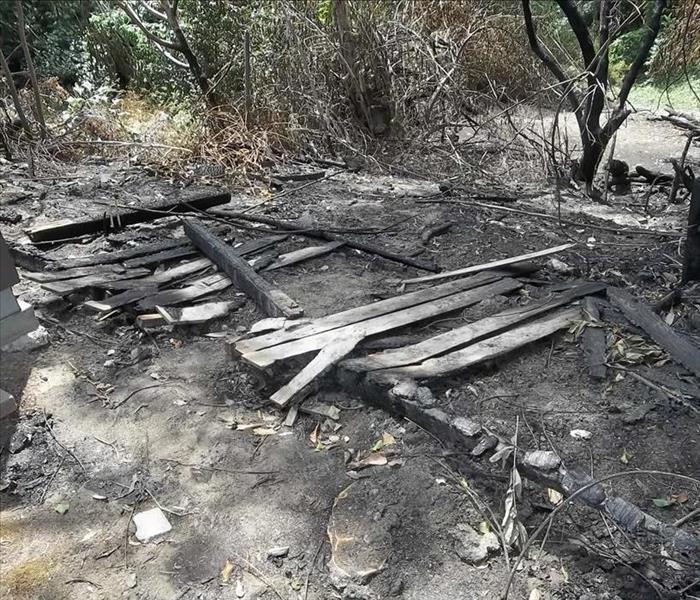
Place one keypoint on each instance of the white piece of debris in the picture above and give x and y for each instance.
(151, 523)
(278, 552)
(580, 434)
(542, 459)
(559, 266)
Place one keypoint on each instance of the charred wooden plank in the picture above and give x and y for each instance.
(271, 300)
(678, 346)
(593, 338)
(121, 218)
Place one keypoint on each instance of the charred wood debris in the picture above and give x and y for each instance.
(175, 283)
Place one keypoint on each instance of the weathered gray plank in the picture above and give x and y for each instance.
(197, 289)
(593, 340)
(271, 300)
(119, 300)
(492, 265)
(169, 275)
(368, 311)
(489, 348)
(199, 313)
(68, 286)
(322, 362)
(461, 336)
(679, 347)
(44, 276)
(108, 221)
(268, 356)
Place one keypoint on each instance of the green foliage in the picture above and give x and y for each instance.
(623, 52)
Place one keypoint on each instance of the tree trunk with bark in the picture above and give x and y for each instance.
(588, 103)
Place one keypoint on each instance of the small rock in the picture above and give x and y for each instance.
(278, 552)
(580, 434)
(131, 580)
(542, 459)
(151, 523)
(466, 426)
(559, 266)
(471, 546)
(61, 508)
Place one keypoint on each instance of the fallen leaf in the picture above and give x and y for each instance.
(61, 508)
(554, 496)
(226, 571)
(484, 527)
(626, 456)
(662, 502)
(313, 436)
(580, 434)
(680, 497)
(388, 439)
(264, 431)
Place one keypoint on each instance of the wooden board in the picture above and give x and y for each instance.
(679, 347)
(593, 341)
(271, 300)
(158, 279)
(284, 260)
(368, 311)
(322, 362)
(268, 356)
(44, 276)
(197, 289)
(121, 256)
(183, 251)
(456, 338)
(117, 219)
(490, 348)
(119, 300)
(199, 313)
(68, 286)
(492, 265)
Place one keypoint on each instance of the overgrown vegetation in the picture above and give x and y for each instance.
(325, 77)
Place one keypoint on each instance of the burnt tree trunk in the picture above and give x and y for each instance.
(691, 262)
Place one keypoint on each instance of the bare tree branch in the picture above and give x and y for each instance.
(548, 59)
(643, 52)
(30, 67)
(140, 24)
(153, 11)
(13, 94)
(578, 26)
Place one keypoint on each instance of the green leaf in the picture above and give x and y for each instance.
(662, 502)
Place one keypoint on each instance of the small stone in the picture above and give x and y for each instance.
(466, 426)
(278, 552)
(542, 459)
(471, 546)
(580, 434)
(151, 523)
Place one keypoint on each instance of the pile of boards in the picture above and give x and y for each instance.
(334, 337)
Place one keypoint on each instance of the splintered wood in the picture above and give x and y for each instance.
(334, 337)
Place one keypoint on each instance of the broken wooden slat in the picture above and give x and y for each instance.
(184, 251)
(284, 260)
(271, 300)
(150, 321)
(121, 218)
(257, 245)
(268, 356)
(489, 348)
(456, 338)
(322, 362)
(593, 340)
(68, 286)
(44, 276)
(331, 237)
(679, 347)
(197, 289)
(199, 313)
(691, 257)
(179, 272)
(368, 311)
(119, 300)
(492, 265)
(121, 256)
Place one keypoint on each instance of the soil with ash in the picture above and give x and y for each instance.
(114, 421)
